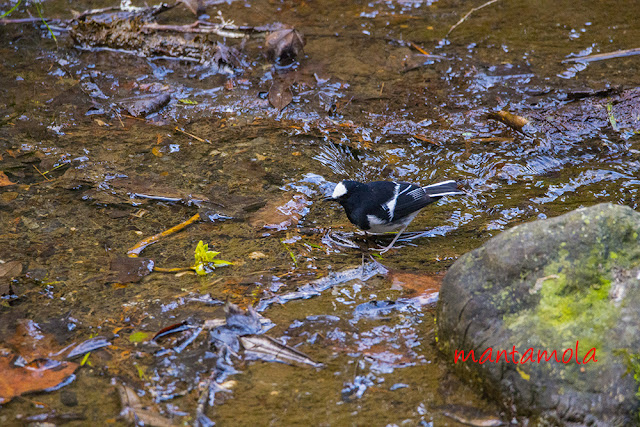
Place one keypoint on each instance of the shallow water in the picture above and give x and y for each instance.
(366, 105)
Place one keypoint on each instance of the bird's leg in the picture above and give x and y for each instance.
(383, 250)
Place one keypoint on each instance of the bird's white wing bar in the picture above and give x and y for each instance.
(406, 188)
(390, 206)
(443, 183)
(450, 193)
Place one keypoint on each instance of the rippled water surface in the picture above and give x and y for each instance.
(367, 104)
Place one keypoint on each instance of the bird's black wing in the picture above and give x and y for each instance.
(379, 198)
(411, 198)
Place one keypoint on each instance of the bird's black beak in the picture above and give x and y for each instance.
(328, 199)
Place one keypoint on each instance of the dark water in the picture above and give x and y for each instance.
(366, 104)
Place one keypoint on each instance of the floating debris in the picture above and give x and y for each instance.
(265, 348)
(87, 346)
(315, 288)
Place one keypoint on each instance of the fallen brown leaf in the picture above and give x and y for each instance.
(281, 213)
(280, 95)
(134, 411)
(129, 269)
(285, 45)
(4, 180)
(38, 375)
(30, 342)
(417, 283)
(10, 269)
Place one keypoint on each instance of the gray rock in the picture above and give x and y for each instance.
(547, 285)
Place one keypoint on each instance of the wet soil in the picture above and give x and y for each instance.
(83, 181)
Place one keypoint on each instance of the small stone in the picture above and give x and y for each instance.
(68, 398)
(9, 196)
(257, 255)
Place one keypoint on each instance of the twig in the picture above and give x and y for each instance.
(603, 56)
(201, 27)
(475, 9)
(43, 175)
(418, 48)
(95, 12)
(197, 138)
(139, 247)
(155, 10)
(26, 20)
(172, 270)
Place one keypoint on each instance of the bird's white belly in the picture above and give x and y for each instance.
(376, 226)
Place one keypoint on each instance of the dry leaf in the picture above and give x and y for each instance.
(4, 180)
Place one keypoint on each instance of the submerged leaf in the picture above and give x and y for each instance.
(285, 45)
(281, 213)
(265, 348)
(280, 95)
(130, 270)
(87, 346)
(134, 411)
(39, 375)
(144, 107)
(10, 269)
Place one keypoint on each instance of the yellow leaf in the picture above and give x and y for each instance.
(523, 374)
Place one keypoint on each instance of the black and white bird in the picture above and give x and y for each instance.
(383, 206)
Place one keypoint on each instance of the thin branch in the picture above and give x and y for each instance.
(475, 9)
(139, 247)
(200, 27)
(26, 20)
(604, 56)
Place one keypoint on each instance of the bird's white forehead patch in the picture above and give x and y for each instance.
(339, 191)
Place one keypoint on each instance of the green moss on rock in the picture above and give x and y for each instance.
(545, 285)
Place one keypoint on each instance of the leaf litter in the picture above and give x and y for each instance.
(29, 362)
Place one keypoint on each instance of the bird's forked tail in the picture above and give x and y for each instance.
(444, 188)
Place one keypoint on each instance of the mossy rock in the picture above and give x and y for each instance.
(548, 285)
